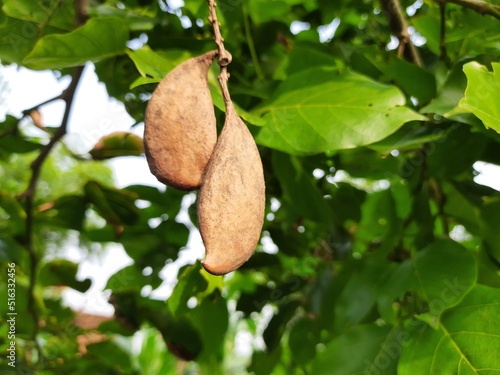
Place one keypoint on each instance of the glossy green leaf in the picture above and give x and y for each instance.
(98, 39)
(481, 95)
(331, 112)
(117, 144)
(465, 342)
(62, 272)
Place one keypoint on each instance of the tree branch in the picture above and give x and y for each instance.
(29, 194)
(225, 57)
(399, 27)
(479, 6)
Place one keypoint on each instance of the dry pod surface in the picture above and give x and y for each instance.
(232, 198)
(180, 128)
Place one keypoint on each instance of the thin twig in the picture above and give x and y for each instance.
(399, 27)
(225, 57)
(479, 6)
(27, 112)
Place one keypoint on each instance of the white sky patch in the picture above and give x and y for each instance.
(298, 26)
(393, 44)
(412, 9)
(489, 174)
(327, 32)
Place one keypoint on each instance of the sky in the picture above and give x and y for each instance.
(95, 115)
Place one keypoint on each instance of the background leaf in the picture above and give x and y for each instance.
(331, 113)
(98, 39)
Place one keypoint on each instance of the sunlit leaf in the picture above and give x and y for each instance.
(331, 112)
(481, 95)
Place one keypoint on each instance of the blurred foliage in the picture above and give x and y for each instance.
(380, 253)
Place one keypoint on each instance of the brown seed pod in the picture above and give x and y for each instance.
(180, 129)
(232, 198)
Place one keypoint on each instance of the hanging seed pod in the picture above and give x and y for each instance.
(180, 130)
(232, 198)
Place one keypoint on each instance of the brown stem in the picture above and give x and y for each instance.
(479, 6)
(399, 27)
(225, 57)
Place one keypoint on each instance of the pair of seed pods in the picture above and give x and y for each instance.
(183, 152)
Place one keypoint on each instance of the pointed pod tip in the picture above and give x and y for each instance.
(218, 266)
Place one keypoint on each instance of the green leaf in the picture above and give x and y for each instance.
(16, 144)
(154, 357)
(412, 79)
(358, 296)
(303, 338)
(445, 272)
(116, 206)
(211, 318)
(57, 13)
(190, 284)
(154, 66)
(481, 95)
(62, 272)
(98, 39)
(128, 278)
(10, 250)
(67, 211)
(117, 144)
(331, 112)
(465, 342)
(274, 331)
(380, 227)
(136, 18)
(361, 350)
(17, 38)
(489, 219)
(297, 183)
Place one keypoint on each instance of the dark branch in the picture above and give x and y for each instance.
(479, 6)
(29, 194)
(399, 27)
